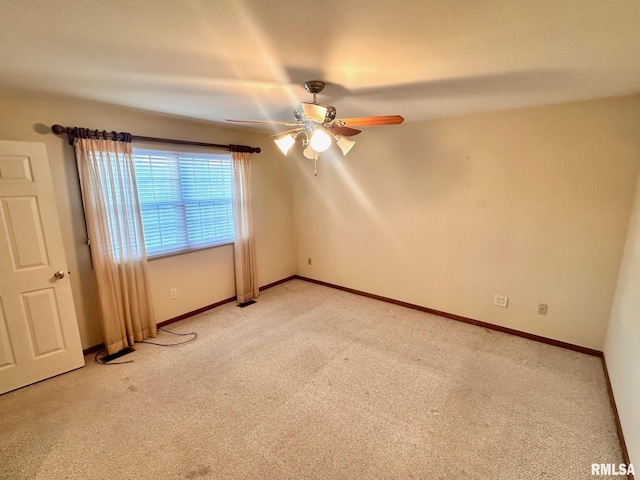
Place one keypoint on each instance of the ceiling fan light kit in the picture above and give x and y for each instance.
(345, 144)
(285, 142)
(310, 153)
(320, 141)
(316, 123)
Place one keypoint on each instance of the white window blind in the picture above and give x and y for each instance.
(185, 200)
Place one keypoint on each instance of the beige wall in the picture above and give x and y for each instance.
(530, 203)
(201, 278)
(622, 351)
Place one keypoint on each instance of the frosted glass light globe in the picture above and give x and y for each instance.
(320, 141)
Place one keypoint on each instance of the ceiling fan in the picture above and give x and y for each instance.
(318, 125)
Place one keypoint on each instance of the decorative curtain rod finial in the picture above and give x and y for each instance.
(58, 129)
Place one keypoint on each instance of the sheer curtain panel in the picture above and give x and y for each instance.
(244, 244)
(114, 225)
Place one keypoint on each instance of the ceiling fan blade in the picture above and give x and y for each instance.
(288, 131)
(273, 122)
(314, 112)
(372, 121)
(344, 131)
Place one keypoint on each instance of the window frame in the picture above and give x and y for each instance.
(144, 150)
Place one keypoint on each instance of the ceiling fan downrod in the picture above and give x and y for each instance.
(314, 87)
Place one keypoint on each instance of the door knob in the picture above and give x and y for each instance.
(59, 274)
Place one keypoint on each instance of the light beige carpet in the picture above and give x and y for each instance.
(314, 383)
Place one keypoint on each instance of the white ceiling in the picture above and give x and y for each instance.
(421, 59)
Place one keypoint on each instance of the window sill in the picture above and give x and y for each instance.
(187, 250)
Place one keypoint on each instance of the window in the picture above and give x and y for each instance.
(185, 200)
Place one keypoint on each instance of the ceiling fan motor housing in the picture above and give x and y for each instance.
(331, 112)
(317, 109)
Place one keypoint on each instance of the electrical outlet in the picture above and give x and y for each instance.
(173, 293)
(542, 309)
(501, 301)
(309, 261)
(329, 265)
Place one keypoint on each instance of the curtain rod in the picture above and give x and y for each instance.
(78, 132)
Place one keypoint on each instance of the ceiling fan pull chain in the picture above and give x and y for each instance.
(315, 166)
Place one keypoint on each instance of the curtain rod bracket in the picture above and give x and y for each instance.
(244, 149)
(60, 130)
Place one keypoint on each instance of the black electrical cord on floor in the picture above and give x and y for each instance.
(195, 335)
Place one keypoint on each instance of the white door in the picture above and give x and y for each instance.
(38, 327)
